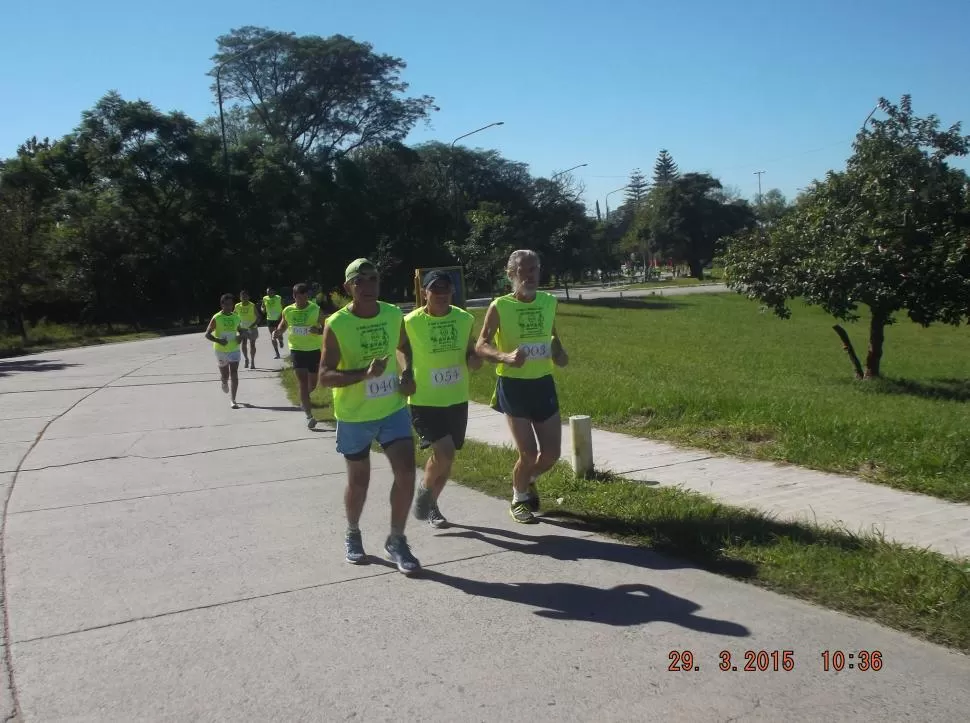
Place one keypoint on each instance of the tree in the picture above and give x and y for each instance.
(27, 190)
(891, 232)
(772, 208)
(637, 188)
(664, 170)
(326, 95)
(689, 222)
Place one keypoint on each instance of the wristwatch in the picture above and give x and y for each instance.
(406, 374)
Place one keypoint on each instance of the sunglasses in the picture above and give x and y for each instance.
(439, 287)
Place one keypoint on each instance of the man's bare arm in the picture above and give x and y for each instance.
(329, 375)
(485, 347)
(208, 333)
(559, 355)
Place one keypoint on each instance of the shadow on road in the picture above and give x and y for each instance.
(32, 365)
(622, 605)
(292, 408)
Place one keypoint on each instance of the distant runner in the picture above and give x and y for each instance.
(249, 315)
(272, 310)
(444, 351)
(361, 343)
(223, 332)
(526, 345)
(302, 320)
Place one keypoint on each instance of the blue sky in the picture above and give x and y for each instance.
(727, 87)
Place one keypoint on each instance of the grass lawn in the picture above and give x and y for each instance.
(47, 336)
(919, 592)
(711, 371)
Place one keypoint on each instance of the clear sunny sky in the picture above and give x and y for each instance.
(727, 87)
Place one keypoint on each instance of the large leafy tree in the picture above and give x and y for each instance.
(689, 222)
(891, 232)
(27, 193)
(328, 96)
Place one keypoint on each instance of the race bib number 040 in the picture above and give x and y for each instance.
(537, 350)
(381, 386)
(445, 377)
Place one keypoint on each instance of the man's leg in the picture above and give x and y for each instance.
(252, 350)
(242, 346)
(524, 468)
(272, 330)
(358, 481)
(355, 495)
(234, 382)
(308, 381)
(439, 464)
(549, 435)
(224, 374)
(400, 454)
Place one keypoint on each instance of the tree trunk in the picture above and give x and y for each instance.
(696, 269)
(565, 283)
(850, 350)
(18, 320)
(877, 335)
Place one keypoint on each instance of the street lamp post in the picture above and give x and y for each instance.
(454, 180)
(759, 174)
(622, 188)
(555, 175)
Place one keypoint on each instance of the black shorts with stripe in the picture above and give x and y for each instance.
(435, 423)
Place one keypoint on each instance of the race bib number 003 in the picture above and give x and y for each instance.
(445, 377)
(537, 350)
(300, 330)
(381, 387)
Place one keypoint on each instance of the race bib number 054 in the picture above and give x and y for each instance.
(537, 350)
(381, 386)
(445, 377)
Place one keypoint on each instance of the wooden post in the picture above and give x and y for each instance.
(581, 430)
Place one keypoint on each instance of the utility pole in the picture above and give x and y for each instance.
(758, 174)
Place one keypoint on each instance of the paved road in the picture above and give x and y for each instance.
(167, 558)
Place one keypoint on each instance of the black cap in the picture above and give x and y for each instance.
(435, 275)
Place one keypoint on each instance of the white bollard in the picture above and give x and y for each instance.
(581, 430)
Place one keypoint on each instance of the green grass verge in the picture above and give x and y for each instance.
(915, 591)
(48, 336)
(711, 371)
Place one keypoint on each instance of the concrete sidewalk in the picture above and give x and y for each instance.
(786, 491)
(167, 558)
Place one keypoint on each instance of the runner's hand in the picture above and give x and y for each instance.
(376, 367)
(406, 386)
(561, 358)
(516, 359)
(316, 329)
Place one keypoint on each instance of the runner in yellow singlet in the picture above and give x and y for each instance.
(303, 321)
(526, 346)
(444, 351)
(364, 345)
(271, 308)
(249, 315)
(223, 332)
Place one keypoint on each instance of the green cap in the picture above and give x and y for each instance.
(354, 270)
